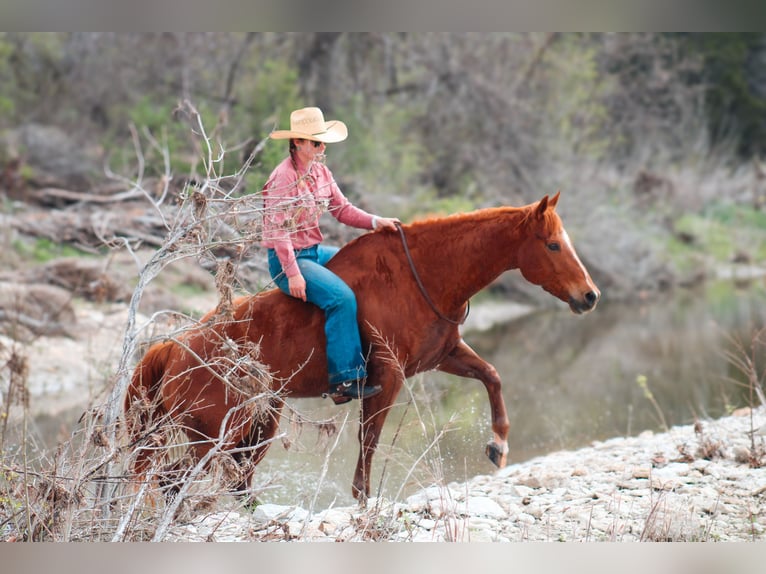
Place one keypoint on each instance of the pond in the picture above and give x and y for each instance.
(567, 380)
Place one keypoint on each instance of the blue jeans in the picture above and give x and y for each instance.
(331, 294)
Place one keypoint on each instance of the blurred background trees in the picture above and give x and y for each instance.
(639, 131)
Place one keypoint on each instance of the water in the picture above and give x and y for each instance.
(567, 380)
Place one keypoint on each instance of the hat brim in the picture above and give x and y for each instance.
(335, 131)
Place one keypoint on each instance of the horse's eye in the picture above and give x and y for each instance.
(554, 246)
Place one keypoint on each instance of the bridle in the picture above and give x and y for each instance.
(422, 287)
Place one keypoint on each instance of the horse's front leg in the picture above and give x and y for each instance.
(373, 415)
(464, 362)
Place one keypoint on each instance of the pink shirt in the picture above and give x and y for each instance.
(294, 205)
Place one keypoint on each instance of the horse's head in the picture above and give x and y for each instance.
(547, 258)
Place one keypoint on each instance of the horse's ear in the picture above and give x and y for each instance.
(554, 200)
(541, 207)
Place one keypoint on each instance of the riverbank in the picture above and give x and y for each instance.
(693, 483)
(679, 485)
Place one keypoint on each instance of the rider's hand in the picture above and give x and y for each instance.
(297, 285)
(386, 223)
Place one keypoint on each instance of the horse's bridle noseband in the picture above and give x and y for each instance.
(422, 287)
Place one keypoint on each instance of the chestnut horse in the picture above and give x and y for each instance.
(412, 290)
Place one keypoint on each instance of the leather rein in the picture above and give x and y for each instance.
(422, 287)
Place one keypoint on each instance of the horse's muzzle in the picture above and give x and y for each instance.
(585, 303)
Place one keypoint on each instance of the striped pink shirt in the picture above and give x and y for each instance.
(294, 205)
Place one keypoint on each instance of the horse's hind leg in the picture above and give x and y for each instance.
(257, 443)
(173, 475)
(464, 362)
(199, 431)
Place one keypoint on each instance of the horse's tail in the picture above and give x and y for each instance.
(143, 406)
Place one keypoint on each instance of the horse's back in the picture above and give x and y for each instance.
(289, 335)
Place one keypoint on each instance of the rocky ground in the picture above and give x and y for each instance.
(693, 483)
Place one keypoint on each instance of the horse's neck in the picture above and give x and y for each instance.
(460, 255)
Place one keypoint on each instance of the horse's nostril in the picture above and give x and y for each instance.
(591, 297)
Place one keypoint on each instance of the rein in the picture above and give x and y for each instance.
(422, 287)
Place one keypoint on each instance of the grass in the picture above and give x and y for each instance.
(43, 250)
(722, 231)
(643, 384)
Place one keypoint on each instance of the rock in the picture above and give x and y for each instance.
(434, 497)
(87, 278)
(481, 535)
(51, 153)
(525, 518)
(426, 523)
(642, 472)
(270, 512)
(36, 309)
(521, 490)
(484, 506)
(531, 481)
(303, 531)
(742, 454)
(330, 521)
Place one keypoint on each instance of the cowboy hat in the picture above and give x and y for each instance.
(309, 124)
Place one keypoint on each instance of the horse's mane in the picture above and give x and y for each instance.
(473, 217)
(420, 226)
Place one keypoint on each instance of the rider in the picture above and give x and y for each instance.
(296, 194)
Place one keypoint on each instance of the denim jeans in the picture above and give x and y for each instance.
(331, 294)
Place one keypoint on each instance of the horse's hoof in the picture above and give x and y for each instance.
(337, 398)
(360, 495)
(340, 400)
(496, 454)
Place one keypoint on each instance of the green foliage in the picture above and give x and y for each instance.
(44, 250)
(746, 226)
(8, 87)
(736, 104)
(382, 156)
(273, 94)
(151, 114)
(723, 300)
(30, 66)
(575, 116)
(736, 215)
(427, 202)
(708, 235)
(156, 119)
(7, 108)
(722, 230)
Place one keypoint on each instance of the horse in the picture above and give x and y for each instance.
(413, 290)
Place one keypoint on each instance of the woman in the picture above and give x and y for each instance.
(296, 194)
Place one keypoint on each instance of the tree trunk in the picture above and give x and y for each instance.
(316, 69)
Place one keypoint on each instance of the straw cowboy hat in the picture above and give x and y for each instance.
(309, 124)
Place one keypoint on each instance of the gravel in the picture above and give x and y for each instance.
(693, 483)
